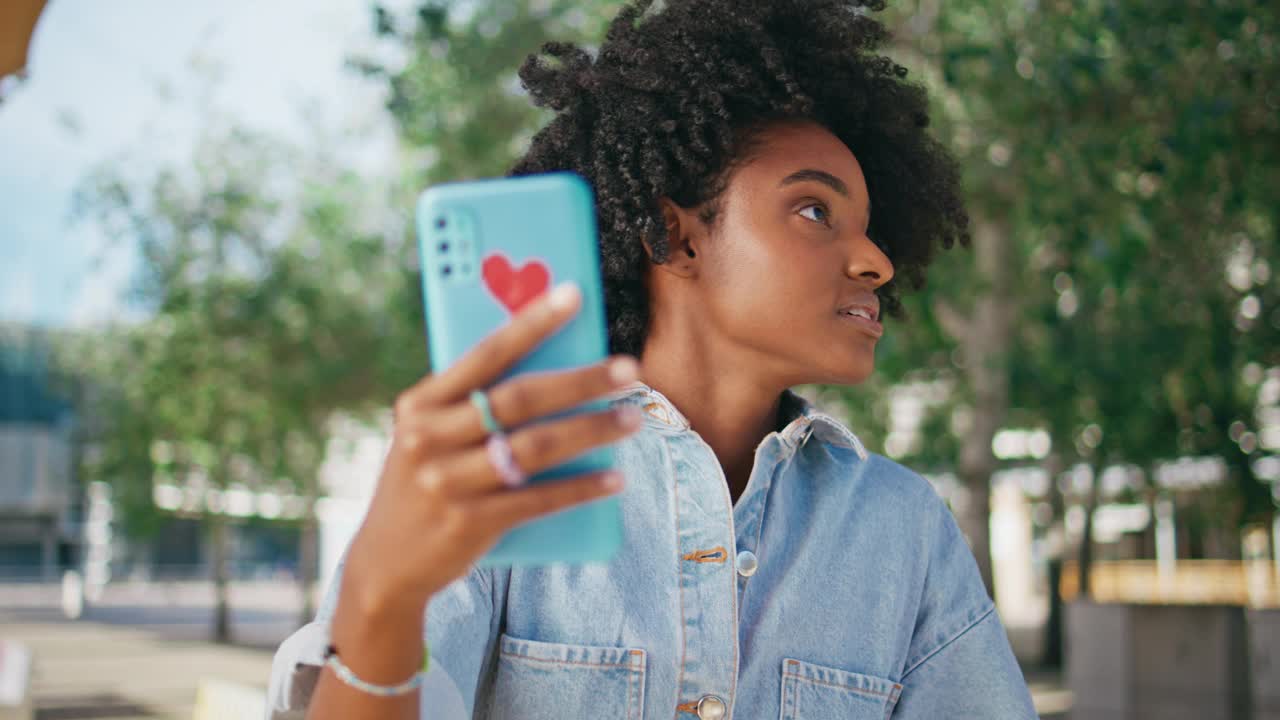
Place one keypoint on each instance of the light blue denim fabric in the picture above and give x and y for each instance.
(865, 601)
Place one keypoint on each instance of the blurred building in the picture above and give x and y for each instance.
(40, 499)
(45, 521)
(348, 477)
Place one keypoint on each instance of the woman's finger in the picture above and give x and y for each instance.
(509, 509)
(520, 400)
(470, 473)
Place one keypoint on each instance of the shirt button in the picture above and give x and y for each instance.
(710, 707)
(747, 563)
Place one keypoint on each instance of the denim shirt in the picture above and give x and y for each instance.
(837, 586)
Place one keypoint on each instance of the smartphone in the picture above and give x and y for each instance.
(488, 247)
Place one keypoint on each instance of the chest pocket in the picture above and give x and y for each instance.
(817, 692)
(539, 680)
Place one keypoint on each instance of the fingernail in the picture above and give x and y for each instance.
(563, 295)
(611, 480)
(623, 369)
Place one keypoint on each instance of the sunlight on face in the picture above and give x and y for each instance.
(790, 266)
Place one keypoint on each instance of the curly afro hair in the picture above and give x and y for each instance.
(675, 99)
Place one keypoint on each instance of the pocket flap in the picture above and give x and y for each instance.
(811, 691)
(570, 654)
(540, 680)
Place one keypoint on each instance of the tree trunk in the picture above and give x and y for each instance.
(975, 523)
(308, 537)
(307, 560)
(1053, 654)
(984, 342)
(1084, 562)
(219, 542)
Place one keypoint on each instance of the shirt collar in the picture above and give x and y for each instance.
(801, 417)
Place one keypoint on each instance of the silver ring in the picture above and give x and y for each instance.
(503, 460)
(480, 399)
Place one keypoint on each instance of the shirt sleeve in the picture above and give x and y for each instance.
(462, 628)
(960, 664)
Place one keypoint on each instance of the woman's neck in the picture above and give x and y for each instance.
(729, 406)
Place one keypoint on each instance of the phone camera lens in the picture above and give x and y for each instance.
(447, 270)
(444, 247)
(439, 222)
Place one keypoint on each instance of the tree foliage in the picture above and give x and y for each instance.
(266, 302)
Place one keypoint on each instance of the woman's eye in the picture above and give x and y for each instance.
(820, 211)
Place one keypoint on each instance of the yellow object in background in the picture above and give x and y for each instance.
(222, 700)
(1248, 583)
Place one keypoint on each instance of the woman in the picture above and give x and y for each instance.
(763, 182)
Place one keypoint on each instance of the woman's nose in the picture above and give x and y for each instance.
(868, 262)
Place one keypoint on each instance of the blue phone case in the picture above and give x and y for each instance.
(488, 247)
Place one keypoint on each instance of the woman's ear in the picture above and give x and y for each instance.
(682, 228)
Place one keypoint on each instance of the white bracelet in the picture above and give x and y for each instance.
(345, 675)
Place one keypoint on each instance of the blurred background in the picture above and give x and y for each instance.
(209, 298)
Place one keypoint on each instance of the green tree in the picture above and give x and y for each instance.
(266, 314)
(457, 101)
(1129, 152)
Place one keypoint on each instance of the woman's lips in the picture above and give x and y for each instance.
(870, 327)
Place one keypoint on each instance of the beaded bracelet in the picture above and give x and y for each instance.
(345, 674)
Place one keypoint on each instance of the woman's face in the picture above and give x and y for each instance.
(788, 260)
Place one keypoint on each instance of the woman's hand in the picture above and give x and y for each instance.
(440, 504)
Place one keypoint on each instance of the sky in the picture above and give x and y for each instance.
(132, 81)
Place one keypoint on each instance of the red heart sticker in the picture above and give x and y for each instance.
(513, 288)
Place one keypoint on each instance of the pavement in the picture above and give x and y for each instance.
(1052, 699)
(131, 660)
(87, 670)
